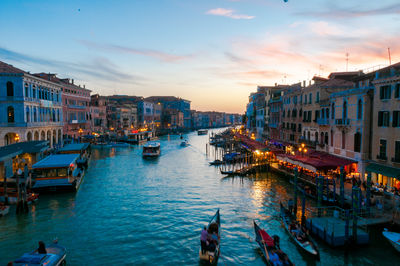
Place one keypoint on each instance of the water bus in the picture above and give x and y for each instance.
(151, 149)
(83, 149)
(59, 172)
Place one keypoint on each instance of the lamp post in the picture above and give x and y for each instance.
(302, 149)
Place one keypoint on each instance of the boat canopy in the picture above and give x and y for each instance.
(74, 147)
(56, 161)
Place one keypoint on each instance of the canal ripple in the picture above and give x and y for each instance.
(150, 212)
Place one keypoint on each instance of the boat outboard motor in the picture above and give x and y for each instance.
(276, 241)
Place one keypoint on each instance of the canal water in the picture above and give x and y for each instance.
(131, 211)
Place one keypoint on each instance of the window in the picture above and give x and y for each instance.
(288, 113)
(332, 138)
(27, 115)
(382, 149)
(397, 151)
(10, 114)
(34, 115)
(385, 92)
(333, 110)
(294, 113)
(301, 99)
(300, 112)
(10, 89)
(396, 119)
(295, 99)
(316, 115)
(316, 136)
(26, 90)
(383, 118)
(343, 140)
(308, 135)
(317, 97)
(397, 91)
(310, 98)
(345, 110)
(326, 138)
(299, 128)
(327, 113)
(283, 113)
(359, 109)
(357, 142)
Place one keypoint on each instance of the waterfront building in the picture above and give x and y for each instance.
(275, 115)
(172, 119)
(76, 106)
(98, 112)
(348, 131)
(260, 106)
(145, 111)
(31, 107)
(292, 114)
(171, 102)
(385, 145)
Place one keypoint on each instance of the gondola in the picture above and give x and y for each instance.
(269, 245)
(214, 225)
(393, 238)
(55, 256)
(307, 244)
(310, 194)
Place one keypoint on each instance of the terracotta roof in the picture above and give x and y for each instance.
(6, 68)
(337, 83)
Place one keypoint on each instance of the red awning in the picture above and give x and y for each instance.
(250, 143)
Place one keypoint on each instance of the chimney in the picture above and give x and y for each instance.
(72, 81)
(304, 83)
(309, 83)
(84, 86)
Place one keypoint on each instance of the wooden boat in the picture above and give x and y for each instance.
(214, 225)
(394, 238)
(202, 132)
(307, 244)
(217, 162)
(151, 150)
(55, 256)
(270, 244)
(4, 209)
(228, 172)
(59, 172)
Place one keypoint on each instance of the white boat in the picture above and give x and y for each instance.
(4, 209)
(151, 149)
(394, 238)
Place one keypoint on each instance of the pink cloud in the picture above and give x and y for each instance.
(230, 13)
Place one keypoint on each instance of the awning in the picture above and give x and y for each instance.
(384, 170)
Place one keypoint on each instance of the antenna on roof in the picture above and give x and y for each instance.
(347, 61)
(390, 60)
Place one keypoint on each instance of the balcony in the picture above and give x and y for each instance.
(342, 122)
(74, 106)
(74, 121)
(323, 121)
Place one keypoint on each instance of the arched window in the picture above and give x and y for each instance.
(327, 113)
(345, 110)
(53, 115)
(357, 142)
(288, 113)
(322, 137)
(10, 88)
(333, 110)
(26, 90)
(10, 114)
(34, 115)
(58, 115)
(359, 109)
(27, 115)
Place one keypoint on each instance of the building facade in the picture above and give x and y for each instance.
(31, 107)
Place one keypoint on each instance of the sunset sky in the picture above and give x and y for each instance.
(212, 52)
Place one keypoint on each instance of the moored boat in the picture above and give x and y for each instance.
(393, 238)
(151, 150)
(83, 149)
(302, 239)
(56, 255)
(216, 162)
(59, 172)
(270, 247)
(202, 132)
(4, 209)
(214, 226)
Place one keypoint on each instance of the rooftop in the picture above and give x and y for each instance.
(6, 68)
(56, 161)
(23, 147)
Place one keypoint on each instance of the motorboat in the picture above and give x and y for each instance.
(202, 132)
(151, 150)
(55, 256)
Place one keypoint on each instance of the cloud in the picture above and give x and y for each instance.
(159, 55)
(230, 13)
(339, 12)
(98, 68)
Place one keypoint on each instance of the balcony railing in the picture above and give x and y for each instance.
(323, 121)
(342, 122)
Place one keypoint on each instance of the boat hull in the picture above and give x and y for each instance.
(393, 238)
(58, 185)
